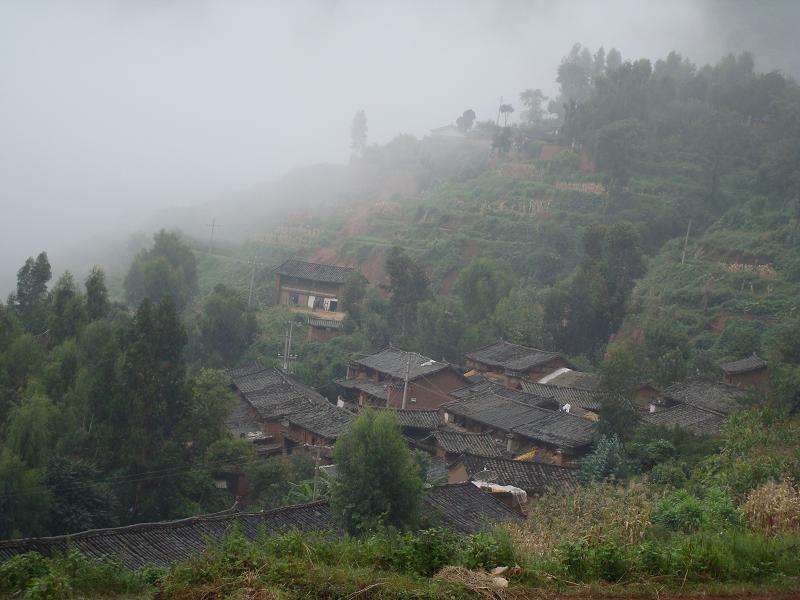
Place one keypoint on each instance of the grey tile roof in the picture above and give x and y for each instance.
(491, 389)
(427, 420)
(686, 416)
(521, 413)
(322, 418)
(393, 362)
(575, 379)
(511, 357)
(560, 429)
(314, 271)
(709, 395)
(378, 390)
(480, 444)
(744, 365)
(275, 395)
(242, 425)
(533, 477)
(464, 508)
(172, 541)
(590, 400)
(461, 507)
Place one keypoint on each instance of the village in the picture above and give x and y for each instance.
(514, 421)
(508, 425)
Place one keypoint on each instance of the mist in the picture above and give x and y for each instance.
(113, 110)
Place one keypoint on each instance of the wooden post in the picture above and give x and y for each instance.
(405, 381)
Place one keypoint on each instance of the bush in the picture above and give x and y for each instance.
(774, 507)
(682, 511)
(424, 553)
(64, 576)
(488, 550)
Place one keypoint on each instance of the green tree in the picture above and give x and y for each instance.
(620, 375)
(31, 430)
(466, 120)
(152, 391)
(80, 500)
(481, 286)
(23, 498)
(30, 300)
(408, 286)
(211, 401)
(97, 303)
(440, 327)
(378, 479)
(167, 270)
(519, 317)
(354, 296)
(534, 102)
(227, 326)
(68, 311)
(619, 145)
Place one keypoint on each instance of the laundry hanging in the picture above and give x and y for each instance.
(311, 301)
(326, 304)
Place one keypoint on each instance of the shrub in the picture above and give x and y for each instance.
(774, 507)
(66, 575)
(682, 511)
(424, 553)
(488, 550)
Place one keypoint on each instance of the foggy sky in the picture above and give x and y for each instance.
(112, 109)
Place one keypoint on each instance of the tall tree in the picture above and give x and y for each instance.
(481, 286)
(358, 132)
(152, 388)
(227, 326)
(408, 286)
(378, 481)
(466, 120)
(97, 304)
(619, 145)
(167, 270)
(68, 311)
(31, 297)
(534, 103)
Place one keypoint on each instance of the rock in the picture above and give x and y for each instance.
(500, 582)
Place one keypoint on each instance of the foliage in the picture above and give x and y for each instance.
(683, 511)
(226, 326)
(606, 460)
(408, 286)
(23, 497)
(481, 285)
(68, 575)
(80, 501)
(378, 480)
(167, 270)
(30, 300)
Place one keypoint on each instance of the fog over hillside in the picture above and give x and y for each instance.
(113, 110)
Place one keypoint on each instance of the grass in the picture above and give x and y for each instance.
(394, 565)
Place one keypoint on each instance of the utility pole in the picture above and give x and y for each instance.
(405, 381)
(316, 474)
(287, 355)
(213, 226)
(686, 241)
(252, 280)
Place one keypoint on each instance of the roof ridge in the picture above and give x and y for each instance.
(172, 523)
